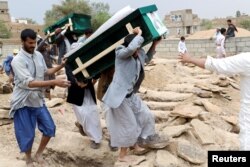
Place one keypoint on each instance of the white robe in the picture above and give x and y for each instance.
(88, 116)
(182, 47)
(238, 64)
(132, 119)
(220, 43)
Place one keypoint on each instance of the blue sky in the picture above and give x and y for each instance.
(35, 9)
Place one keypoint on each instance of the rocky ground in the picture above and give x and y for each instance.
(197, 109)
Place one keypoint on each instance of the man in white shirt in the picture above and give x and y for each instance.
(28, 108)
(220, 44)
(182, 46)
(238, 64)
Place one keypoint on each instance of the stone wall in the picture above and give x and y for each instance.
(168, 48)
(7, 46)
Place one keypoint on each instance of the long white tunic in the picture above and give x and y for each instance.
(132, 119)
(88, 116)
(182, 47)
(238, 64)
(220, 46)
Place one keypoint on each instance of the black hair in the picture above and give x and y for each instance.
(128, 39)
(229, 20)
(88, 31)
(222, 30)
(28, 33)
(182, 38)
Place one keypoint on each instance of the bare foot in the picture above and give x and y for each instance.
(29, 163)
(40, 160)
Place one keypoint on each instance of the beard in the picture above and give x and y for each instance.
(29, 49)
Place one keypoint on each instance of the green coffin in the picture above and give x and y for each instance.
(82, 59)
(80, 22)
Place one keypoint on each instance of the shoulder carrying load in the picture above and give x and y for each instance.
(97, 53)
(78, 24)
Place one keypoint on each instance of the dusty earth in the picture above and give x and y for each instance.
(197, 109)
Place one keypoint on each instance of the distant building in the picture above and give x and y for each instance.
(4, 11)
(182, 22)
(22, 21)
(15, 26)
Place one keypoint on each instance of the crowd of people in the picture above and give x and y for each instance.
(130, 123)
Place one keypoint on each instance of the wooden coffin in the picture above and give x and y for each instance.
(79, 23)
(97, 53)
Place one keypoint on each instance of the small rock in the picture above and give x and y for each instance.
(228, 140)
(166, 159)
(204, 116)
(222, 83)
(231, 119)
(211, 107)
(54, 102)
(186, 111)
(202, 132)
(202, 86)
(58, 92)
(166, 96)
(215, 121)
(198, 102)
(175, 131)
(190, 152)
(204, 94)
(235, 86)
(138, 160)
(5, 107)
(160, 116)
(180, 88)
(5, 121)
(4, 114)
(165, 106)
(177, 121)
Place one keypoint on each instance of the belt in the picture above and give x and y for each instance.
(129, 95)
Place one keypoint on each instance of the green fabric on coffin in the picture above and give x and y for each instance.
(101, 41)
(80, 22)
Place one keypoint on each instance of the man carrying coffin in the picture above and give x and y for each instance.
(129, 120)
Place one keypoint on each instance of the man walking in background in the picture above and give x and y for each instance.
(231, 29)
